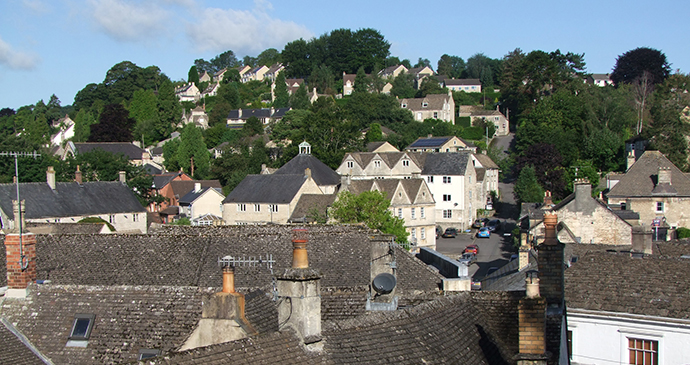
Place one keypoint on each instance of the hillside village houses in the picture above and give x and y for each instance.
(436, 106)
(495, 117)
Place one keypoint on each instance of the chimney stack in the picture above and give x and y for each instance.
(523, 254)
(123, 177)
(228, 279)
(307, 173)
(197, 187)
(50, 177)
(642, 240)
(77, 175)
(20, 251)
(532, 325)
(583, 193)
(550, 260)
(630, 160)
(664, 176)
(548, 202)
(300, 285)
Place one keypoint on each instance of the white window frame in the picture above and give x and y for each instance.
(422, 233)
(446, 180)
(257, 207)
(273, 208)
(413, 232)
(421, 213)
(406, 163)
(446, 197)
(447, 214)
(413, 214)
(350, 164)
(377, 163)
(430, 179)
(400, 213)
(241, 207)
(660, 207)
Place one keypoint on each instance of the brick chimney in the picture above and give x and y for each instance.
(630, 160)
(77, 175)
(299, 289)
(532, 325)
(20, 251)
(550, 260)
(222, 314)
(50, 177)
(547, 199)
(523, 253)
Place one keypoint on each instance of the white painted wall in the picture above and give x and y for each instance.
(602, 337)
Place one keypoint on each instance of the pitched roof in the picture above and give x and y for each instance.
(66, 228)
(130, 151)
(192, 195)
(434, 141)
(433, 102)
(485, 160)
(308, 202)
(448, 163)
(641, 179)
(159, 181)
(274, 189)
(181, 187)
(654, 285)
(461, 82)
(320, 172)
(70, 199)
(16, 349)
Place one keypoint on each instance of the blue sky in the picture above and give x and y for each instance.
(59, 46)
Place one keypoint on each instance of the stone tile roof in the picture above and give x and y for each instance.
(130, 151)
(640, 180)
(485, 160)
(65, 228)
(70, 199)
(273, 189)
(460, 82)
(15, 348)
(448, 163)
(609, 279)
(433, 101)
(320, 172)
(181, 187)
(308, 202)
(127, 319)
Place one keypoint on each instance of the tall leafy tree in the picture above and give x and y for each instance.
(450, 66)
(423, 62)
(632, 65)
(114, 125)
(370, 208)
(527, 188)
(193, 75)
(144, 110)
(169, 110)
(403, 86)
(192, 150)
(268, 57)
(370, 48)
(282, 97)
(300, 99)
(362, 81)
(82, 125)
(296, 56)
(226, 59)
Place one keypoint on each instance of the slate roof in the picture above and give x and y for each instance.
(641, 179)
(70, 199)
(434, 102)
(486, 161)
(372, 146)
(273, 189)
(508, 277)
(159, 181)
(16, 349)
(460, 82)
(191, 196)
(130, 151)
(320, 172)
(431, 142)
(448, 163)
(387, 186)
(655, 285)
(181, 187)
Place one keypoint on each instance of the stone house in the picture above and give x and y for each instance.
(188, 92)
(582, 219)
(600, 80)
(238, 117)
(65, 128)
(70, 202)
(656, 189)
(197, 116)
(162, 186)
(495, 117)
(381, 147)
(419, 74)
(410, 199)
(440, 144)
(348, 83)
(205, 77)
(487, 176)
(435, 106)
(201, 201)
(391, 72)
(466, 85)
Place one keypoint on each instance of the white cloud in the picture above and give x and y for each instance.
(242, 31)
(15, 59)
(129, 21)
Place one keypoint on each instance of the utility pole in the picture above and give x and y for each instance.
(23, 261)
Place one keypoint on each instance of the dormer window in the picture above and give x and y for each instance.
(404, 105)
(377, 163)
(406, 163)
(350, 164)
(425, 104)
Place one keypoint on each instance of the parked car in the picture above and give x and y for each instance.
(468, 256)
(484, 232)
(477, 223)
(450, 233)
(474, 249)
(494, 225)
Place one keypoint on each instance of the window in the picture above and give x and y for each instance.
(660, 206)
(470, 177)
(470, 194)
(422, 233)
(257, 207)
(350, 164)
(419, 116)
(404, 105)
(446, 197)
(643, 352)
(447, 214)
(412, 213)
(81, 329)
(406, 163)
(413, 233)
(446, 179)
(148, 353)
(623, 206)
(430, 179)
(425, 104)
(435, 115)
(400, 213)
(421, 212)
(241, 207)
(273, 208)
(377, 163)
(135, 217)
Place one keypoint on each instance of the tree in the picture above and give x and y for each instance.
(423, 62)
(300, 99)
(193, 75)
(632, 65)
(144, 110)
(322, 78)
(527, 188)
(114, 125)
(374, 134)
(169, 110)
(547, 163)
(296, 56)
(450, 66)
(230, 94)
(268, 57)
(204, 66)
(403, 86)
(226, 59)
(192, 150)
(362, 81)
(252, 127)
(370, 49)
(249, 61)
(430, 85)
(82, 125)
(282, 97)
(370, 208)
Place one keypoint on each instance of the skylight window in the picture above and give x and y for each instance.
(148, 353)
(81, 330)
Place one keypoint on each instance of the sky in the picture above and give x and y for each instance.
(59, 46)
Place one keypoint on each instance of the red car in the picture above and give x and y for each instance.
(472, 249)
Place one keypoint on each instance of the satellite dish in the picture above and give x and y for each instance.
(384, 283)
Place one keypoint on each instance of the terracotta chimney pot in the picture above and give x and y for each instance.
(299, 249)
(228, 279)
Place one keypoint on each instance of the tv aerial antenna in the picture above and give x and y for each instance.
(23, 260)
(252, 261)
